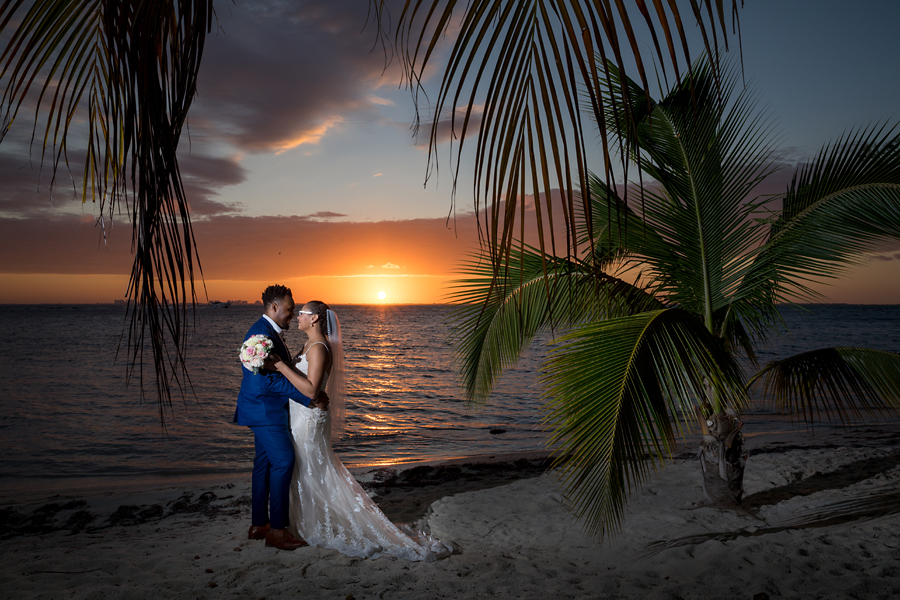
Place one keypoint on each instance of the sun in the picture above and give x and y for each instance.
(382, 295)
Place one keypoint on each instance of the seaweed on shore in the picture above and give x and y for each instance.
(404, 495)
(75, 517)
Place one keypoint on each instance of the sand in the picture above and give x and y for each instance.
(820, 521)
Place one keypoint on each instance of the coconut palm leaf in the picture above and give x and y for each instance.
(731, 329)
(617, 391)
(497, 317)
(705, 159)
(515, 73)
(620, 233)
(127, 68)
(843, 203)
(833, 383)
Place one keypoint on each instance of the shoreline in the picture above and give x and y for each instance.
(820, 520)
(756, 441)
(37, 490)
(404, 491)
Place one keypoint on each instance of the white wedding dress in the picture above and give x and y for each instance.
(329, 509)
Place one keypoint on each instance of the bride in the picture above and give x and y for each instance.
(329, 509)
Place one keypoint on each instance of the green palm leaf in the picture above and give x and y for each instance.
(497, 317)
(841, 204)
(619, 232)
(616, 391)
(705, 158)
(832, 383)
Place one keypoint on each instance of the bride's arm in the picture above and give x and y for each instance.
(310, 385)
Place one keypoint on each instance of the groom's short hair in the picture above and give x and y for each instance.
(275, 293)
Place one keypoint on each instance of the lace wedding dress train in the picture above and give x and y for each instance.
(329, 509)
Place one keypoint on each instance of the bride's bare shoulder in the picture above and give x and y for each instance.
(317, 350)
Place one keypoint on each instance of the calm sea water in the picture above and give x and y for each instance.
(69, 417)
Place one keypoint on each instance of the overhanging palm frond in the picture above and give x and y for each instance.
(129, 69)
(617, 392)
(497, 317)
(516, 70)
(843, 203)
(833, 382)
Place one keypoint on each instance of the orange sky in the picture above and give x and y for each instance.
(337, 262)
(877, 283)
(341, 263)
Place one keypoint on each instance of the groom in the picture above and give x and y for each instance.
(262, 405)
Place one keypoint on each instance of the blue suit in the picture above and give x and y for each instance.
(262, 405)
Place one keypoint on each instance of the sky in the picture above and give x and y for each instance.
(301, 168)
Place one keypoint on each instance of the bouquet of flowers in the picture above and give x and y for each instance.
(254, 351)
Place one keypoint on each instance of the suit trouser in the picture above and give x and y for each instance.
(273, 467)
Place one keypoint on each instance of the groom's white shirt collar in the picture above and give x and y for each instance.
(274, 326)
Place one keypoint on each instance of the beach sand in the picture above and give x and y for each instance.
(820, 521)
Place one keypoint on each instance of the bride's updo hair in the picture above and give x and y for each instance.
(321, 310)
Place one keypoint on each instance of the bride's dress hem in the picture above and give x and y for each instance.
(329, 509)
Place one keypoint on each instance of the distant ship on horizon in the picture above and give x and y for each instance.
(219, 304)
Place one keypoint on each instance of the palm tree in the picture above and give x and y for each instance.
(640, 358)
(131, 67)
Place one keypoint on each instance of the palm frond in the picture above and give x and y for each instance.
(617, 391)
(832, 383)
(705, 156)
(129, 69)
(843, 203)
(730, 328)
(619, 232)
(497, 317)
(515, 73)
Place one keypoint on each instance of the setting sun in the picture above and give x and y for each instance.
(381, 295)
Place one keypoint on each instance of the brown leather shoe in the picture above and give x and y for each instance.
(283, 540)
(258, 532)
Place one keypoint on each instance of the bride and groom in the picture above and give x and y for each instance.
(302, 493)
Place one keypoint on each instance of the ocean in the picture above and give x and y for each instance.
(70, 421)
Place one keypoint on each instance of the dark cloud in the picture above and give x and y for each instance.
(214, 171)
(279, 73)
(325, 214)
(28, 188)
(204, 177)
(274, 73)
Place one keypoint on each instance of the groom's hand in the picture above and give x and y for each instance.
(270, 364)
(321, 401)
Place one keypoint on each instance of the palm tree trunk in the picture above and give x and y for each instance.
(722, 458)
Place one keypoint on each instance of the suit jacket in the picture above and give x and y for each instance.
(263, 399)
